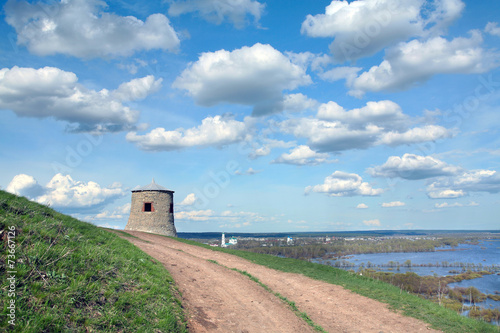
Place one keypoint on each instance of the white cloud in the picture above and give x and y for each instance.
(362, 28)
(109, 226)
(455, 204)
(342, 184)
(464, 182)
(492, 29)
(269, 144)
(137, 89)
(237, 219)
(249, 172)
(64, 192)
(378, 123)
(298, 102)
(338, 73)
(445, 194)
(386, 114)
(242, 216)
(414, 135)
(106, 215)
(362, 206)
(260, 151)
(393, 204)
(195, 215)
(327, 136)
(302, 155)
(25, 185)
(213, 131)
(52, 92)
(189, 200)
(411, 166)
(254, 75)
(217, 11)
(124, 209)
(415, 62)
(374, 222)
(82, 29)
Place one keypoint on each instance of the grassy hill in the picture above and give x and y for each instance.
(73, 276)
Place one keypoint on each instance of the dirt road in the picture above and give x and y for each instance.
(219, 299)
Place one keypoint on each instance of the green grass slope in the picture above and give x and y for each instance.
(71, 276)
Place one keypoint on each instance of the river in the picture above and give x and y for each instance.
(486, 253)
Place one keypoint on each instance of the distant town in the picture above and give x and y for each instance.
(247, 240)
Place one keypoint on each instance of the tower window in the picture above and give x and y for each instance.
(171, 210)
(148, 207)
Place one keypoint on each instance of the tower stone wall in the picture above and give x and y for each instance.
(152, 211)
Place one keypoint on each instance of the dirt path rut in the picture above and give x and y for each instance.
(219, 299)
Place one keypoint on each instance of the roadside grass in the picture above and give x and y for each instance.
(400, 301)
(72, 276)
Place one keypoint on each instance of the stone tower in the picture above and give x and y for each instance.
(152, 210)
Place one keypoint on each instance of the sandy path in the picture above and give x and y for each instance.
(221, 300)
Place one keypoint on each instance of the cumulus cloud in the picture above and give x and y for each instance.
(216, 11)
(82, 29)
(65, 193)
(327, 136)
(26, 186)
(444, 194)
(467, 181)
(492, 29)
(378, 123)
(298, 102)
(52, 92)
(137, 89)
(415, 135)
(124, 209)
(362, 206)
(362, 28)
(107, 215)
(338, 73)
(386, 114)
(411, 166)
(342, 184)
(302, 155)
(189, 200)
(393, 204)
(415, 62)
(374, 222)
(255, 75)
(214, 131)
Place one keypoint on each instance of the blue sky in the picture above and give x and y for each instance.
(261, 116)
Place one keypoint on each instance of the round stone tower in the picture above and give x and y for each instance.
(152, 210)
